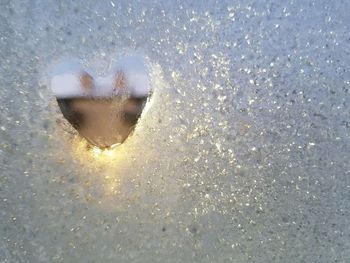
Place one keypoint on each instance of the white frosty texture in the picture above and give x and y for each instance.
(242, 155)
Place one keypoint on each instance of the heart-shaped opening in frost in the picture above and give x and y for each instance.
(104, 110)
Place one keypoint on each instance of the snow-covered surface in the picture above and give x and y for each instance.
(65, 79)
(68, 85)
(241, 156)
(136, 74)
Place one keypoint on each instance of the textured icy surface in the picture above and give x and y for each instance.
(242, 156)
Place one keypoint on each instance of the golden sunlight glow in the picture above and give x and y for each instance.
(106, 166)
(97, 151)
(95, 156)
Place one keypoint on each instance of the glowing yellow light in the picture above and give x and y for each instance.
(95, 157)
(108, 152)
(97, 151)
(114, 145)
(104, 155)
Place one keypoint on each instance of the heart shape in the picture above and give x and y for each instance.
(104, 110)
